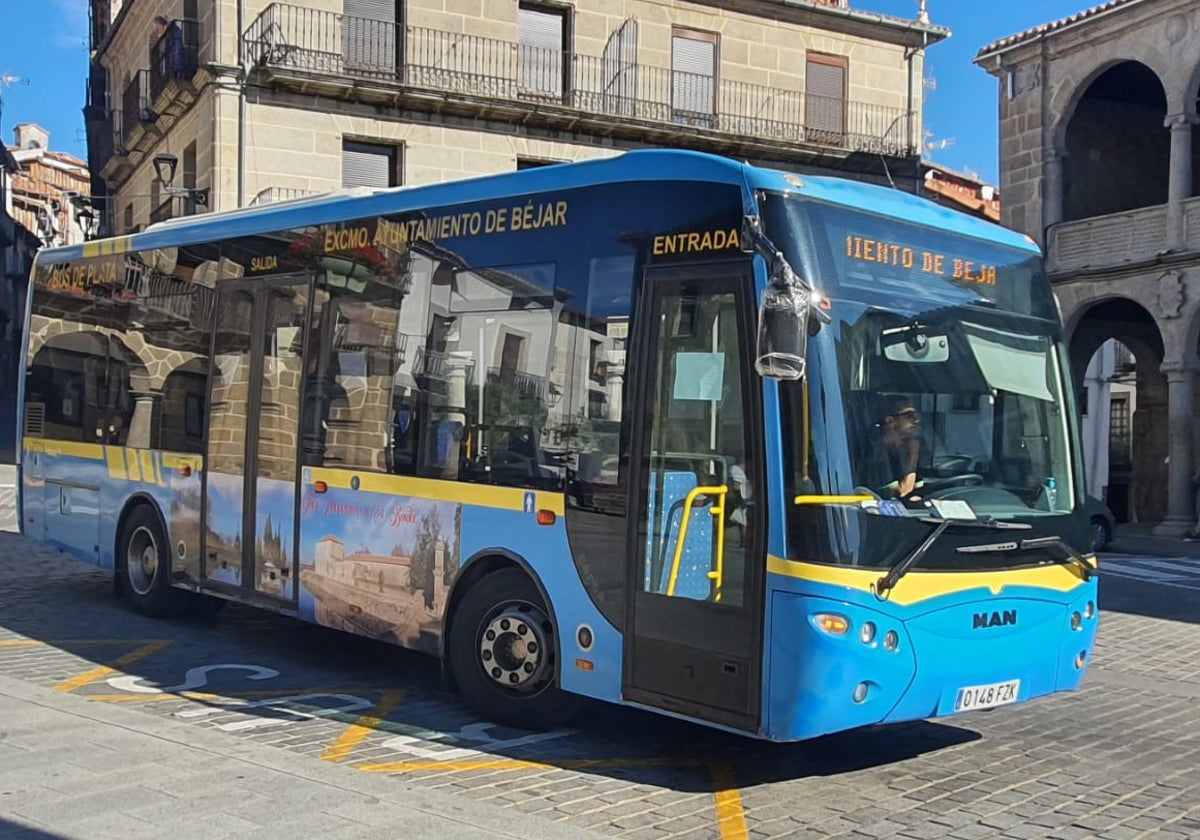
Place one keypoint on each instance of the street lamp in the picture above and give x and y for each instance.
(165, 164)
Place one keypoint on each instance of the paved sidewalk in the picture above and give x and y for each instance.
(75, 769)
(1139, 539)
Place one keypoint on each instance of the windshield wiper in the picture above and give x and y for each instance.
(888, 582)
(1068, 555)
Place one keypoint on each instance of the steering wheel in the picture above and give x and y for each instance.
(960, 480)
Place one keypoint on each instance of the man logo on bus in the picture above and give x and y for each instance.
(994, 619)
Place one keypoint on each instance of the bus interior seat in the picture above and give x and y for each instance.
(697, 559)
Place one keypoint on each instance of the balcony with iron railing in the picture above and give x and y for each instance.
(306, 48)
(174, 57)
(271, 195)
(135, 108)
(525, 384)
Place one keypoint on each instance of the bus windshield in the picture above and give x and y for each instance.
(940, 380)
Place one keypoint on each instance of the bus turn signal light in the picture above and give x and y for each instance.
(546, 517)
(320, 486)
(832, 623)
(185, 470)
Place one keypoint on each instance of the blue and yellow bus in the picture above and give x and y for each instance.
(781, 454)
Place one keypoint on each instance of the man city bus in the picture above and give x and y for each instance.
(783, 455)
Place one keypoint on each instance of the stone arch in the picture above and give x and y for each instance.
(1136, 484)
(83, 380)
(1119, 107)
(184, 400)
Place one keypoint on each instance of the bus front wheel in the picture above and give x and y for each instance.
(502, 653)
(144, 566)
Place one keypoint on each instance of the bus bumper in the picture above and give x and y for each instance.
(945, 658)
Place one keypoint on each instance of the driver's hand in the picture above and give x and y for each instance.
(907, 484)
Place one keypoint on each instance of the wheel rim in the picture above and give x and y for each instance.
(1099, 535)
(141, 560)
(516, 648)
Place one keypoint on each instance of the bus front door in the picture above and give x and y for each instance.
(693, 641)
(255, 395)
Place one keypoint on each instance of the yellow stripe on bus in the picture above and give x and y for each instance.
(135, 470)
(148, 472)
(175, 461)
(116, 462)
(921, 586)
(484, 495)
(73, 449)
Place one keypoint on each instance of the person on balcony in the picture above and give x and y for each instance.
(171, 37)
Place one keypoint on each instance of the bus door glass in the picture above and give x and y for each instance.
(694, 640)
(255, 428)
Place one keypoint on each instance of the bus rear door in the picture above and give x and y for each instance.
(255, 427)
(693, 641)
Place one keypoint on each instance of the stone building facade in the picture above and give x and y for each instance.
(1098, 163)
(287, 99)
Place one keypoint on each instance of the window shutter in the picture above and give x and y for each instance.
(367, 166)
(369, 35)
(540, 50)
(825, 105)
(693, 74)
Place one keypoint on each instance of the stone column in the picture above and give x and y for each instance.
(141, 421)
(1052, 188)
(1180, 185)
(1181, 498)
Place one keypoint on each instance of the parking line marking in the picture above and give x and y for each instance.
(102, 671)
(57, 642)
(362, 727)
(731, 817)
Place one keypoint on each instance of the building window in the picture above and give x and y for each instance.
(1118, 431)
(534, 163)
(825, 98)
(543, 42)
(370, 164)
(370, 42)
(693, 76)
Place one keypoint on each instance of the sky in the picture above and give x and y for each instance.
(44, 44)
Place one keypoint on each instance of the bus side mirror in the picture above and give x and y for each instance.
(783, 316)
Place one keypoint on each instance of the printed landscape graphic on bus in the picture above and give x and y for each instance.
(378, 566)
(224, 526)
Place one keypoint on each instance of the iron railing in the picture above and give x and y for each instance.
(526, 384)
(326, 43)
(273, 194)
(135, 103)
(174, 56)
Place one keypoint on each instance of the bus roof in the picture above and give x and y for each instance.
(648, 164)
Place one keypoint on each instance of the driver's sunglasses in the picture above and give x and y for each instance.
(908, 412)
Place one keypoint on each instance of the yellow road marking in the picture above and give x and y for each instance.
(518, 764)
(731, 818)
(104, 670)
(362, 727)
(20, 643)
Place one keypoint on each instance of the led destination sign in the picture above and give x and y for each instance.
(868, 250)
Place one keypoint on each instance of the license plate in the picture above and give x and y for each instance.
(986, 696)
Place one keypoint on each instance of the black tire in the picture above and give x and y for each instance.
(144, 566)
(503, 654)
(1101, 533)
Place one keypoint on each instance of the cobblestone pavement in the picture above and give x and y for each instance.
(1117, 759)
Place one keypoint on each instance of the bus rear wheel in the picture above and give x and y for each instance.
(502, 653)
(144, 566)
